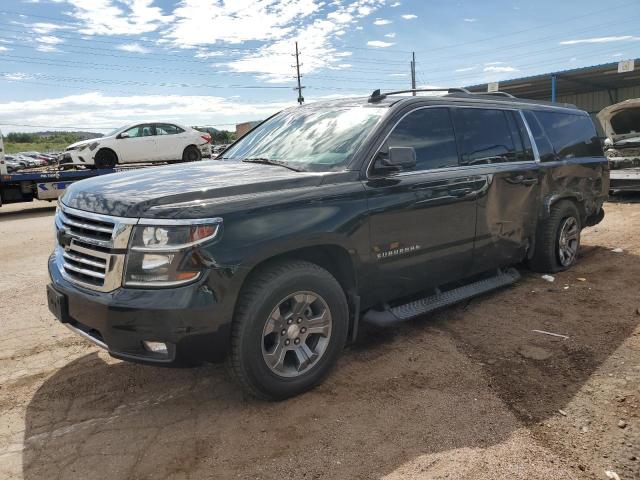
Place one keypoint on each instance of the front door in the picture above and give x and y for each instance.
(139, 146)
(496, 143)
(422, 220)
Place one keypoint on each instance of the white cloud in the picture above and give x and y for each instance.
(391, 35)
(470, 20)
(494, 69)
(381, 21)
(3, 48)
(43, 28)
(95, 110)
(395, 4)
(16, 77)
(272, 61)
(379, 44)
(397, 74)
(617, 54)
(409, 16)
(111, 17)
(209, 53)
(48, 39)
(465, 69)
(47, 48)
(203, 22)
(494, 63)
(133, 48)
(620, 38)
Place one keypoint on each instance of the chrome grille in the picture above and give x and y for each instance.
(90, 248)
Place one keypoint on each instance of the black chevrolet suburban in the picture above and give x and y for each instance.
(324, 216)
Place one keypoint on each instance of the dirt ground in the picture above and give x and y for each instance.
(468, 393)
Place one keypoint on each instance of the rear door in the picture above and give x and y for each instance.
(423, 220)
(140, 145)
(496, 142)
(171, 141)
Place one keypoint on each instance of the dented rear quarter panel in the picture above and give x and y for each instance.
(583, 179)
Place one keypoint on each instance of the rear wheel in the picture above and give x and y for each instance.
(288, 331)
(106, 159)
(558, 239)
(191, 154)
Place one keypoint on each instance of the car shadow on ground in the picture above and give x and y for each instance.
(624, 197)
(45, 211)
(468, 376)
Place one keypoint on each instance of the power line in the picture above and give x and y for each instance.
(608, 10)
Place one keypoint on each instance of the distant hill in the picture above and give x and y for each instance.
(78, 135)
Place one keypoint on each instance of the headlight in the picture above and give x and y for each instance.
(162, 255)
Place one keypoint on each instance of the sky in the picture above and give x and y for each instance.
(98, 64)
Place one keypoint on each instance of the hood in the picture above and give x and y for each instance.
(132, 194)
(81, 143)
(607, 114)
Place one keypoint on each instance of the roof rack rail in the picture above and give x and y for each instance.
(499, 93)
(376, 96)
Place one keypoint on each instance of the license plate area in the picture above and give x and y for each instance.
(57, 304)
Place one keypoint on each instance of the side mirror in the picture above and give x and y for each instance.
(123, 135)
(399, 158)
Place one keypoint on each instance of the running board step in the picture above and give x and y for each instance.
(398, 314)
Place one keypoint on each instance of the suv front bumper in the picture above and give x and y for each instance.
(189, 320)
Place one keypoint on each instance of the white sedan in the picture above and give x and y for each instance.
(141, 142)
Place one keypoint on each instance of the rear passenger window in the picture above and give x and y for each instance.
(545, 149)
(430, 132)
(572, 135)
(489, 136)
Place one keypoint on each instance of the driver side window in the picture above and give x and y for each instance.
(430, 132)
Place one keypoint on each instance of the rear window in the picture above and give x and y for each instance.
(571, 135)
(489, 136)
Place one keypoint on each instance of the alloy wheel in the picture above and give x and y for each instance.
(296, 334)
(568, 241)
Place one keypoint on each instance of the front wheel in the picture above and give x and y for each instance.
(288, 331)
(557, 239)
(106, 159)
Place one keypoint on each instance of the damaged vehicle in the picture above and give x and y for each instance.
(374, 209)
(621, 125)
(137, 143)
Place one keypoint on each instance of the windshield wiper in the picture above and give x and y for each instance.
(267, 161)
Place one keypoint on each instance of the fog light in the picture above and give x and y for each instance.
(156, 347)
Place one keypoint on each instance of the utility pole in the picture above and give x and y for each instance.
(297, 66)
(413, 72)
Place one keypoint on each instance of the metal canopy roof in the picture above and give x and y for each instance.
(568, 82)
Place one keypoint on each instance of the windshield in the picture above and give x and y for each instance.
(113, 132)
(309, 138)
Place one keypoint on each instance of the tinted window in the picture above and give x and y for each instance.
(167, 129)
(488, 136)
(430, 132)
(545, 149)
(571, 135)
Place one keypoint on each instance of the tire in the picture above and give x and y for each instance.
(550, 255)
(106, 159)
(265, 321)
(191, 154)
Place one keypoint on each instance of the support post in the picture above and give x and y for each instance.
(554, 79)
(299, 87)
(413, 72)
